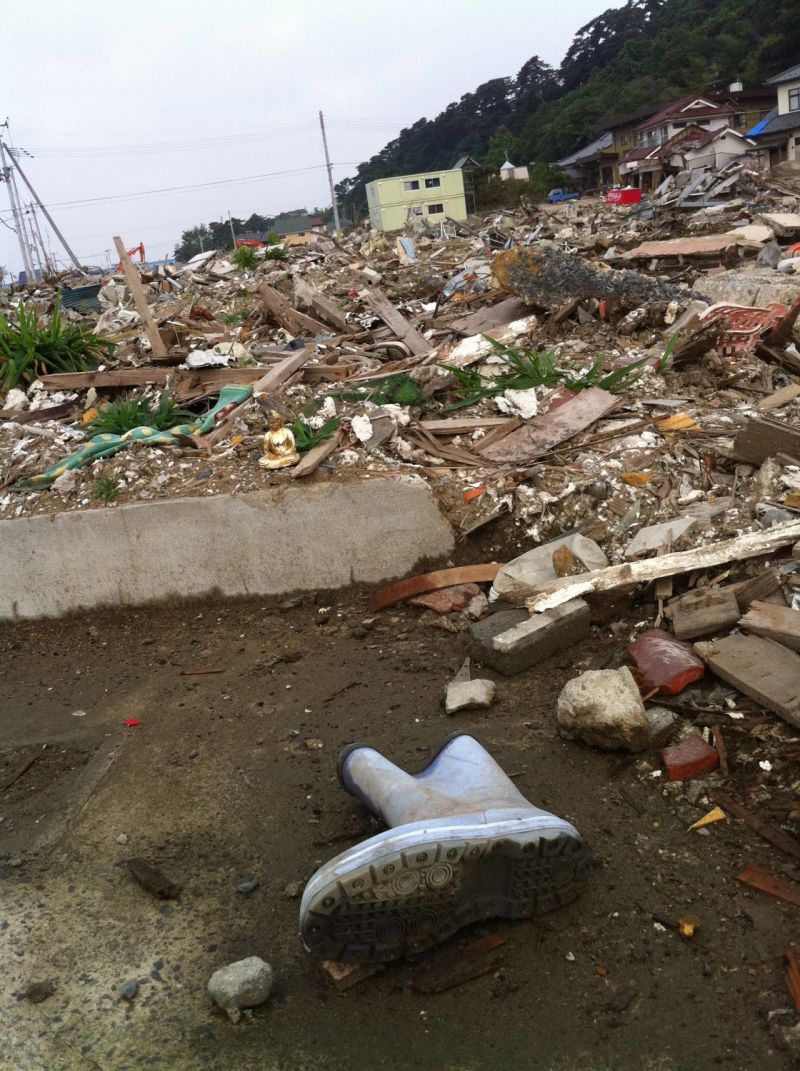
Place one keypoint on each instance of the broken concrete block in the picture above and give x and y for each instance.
(690, 757)
(469, 695)
(512, 641)
(545, 275)
(244, 984)
(662, 721)
(603, 708)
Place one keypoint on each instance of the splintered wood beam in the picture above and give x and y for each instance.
(134, 281)
(394, 319)
(751, 545)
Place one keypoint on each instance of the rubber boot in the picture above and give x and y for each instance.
(463, 844)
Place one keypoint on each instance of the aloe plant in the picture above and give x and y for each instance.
(28, 350)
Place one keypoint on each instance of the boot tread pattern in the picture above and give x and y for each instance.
(407, 901)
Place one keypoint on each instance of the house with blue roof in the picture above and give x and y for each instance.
(778, 134)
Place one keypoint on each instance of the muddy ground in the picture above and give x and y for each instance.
(224, 781)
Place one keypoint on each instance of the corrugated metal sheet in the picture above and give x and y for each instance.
(82, 298)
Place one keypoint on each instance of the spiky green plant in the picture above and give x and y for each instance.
(245, 258)
(305, 436)
(399, 389)
(530, 369)
(28, 350)
(276, 252)
(136, 412)
(235, 319)
(106, 489)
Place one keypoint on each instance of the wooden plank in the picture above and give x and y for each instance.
(497, 315)
(313, 458)
(187, 383)
(768, 830)
(322, 306)
(760, 668)
(462, 965)
(545, 432)
(276, 375)
(749, 545)
(757, 588)
(297, 323)
(779, 398)
(441, 578)
(461, 425)
(134, 281)
(394, 319)
(699, 613)
(792, 975)
(778, 623)
(764, 437)
(758, 877)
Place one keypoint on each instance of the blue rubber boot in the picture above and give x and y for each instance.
(463, 844)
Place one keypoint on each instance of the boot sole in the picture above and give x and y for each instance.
(415, 893)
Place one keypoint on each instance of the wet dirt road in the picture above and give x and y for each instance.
(224, 781)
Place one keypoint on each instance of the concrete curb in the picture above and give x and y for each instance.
(296, 538)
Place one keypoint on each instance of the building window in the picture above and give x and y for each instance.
(412, 185)
(435, 209)
(432, 183)
(794, 100)
(740, 119)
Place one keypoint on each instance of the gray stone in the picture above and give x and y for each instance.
(469, 695)
(244, 984)
(662, 721)
(513, 640)
(246, 887)
(128, 990)
(603, 708)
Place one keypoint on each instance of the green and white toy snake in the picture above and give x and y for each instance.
(105, 445)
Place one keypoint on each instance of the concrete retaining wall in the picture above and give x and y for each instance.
(302, 537)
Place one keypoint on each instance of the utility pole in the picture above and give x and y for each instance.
(47, 215)
(7, 176)
(336, 223)
(22, 220)
(233, 235)
(34, 243)
(35, 219)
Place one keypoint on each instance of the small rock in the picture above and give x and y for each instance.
(469, 695)
(36, 992)
(294, 890)
(153, 879)
(128, 990)
(358, 632)
(477, 607)
(323, 615)
(603, 708)
(122, 838)
(314, 744)
(244, 984)
(662, 721)
(65, 483)
(193, 754)
(247, 887)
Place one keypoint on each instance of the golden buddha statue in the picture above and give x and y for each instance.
(278, 447)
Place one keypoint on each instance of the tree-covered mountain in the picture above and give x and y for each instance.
(645, 52)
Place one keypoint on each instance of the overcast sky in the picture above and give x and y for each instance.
(115, 99)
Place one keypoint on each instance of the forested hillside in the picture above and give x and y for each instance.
(647, 51)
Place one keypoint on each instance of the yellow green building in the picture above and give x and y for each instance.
(395, 203)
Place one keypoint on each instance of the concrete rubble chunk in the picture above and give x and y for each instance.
(469, 695)
(523, 642)
(244, 984)
(603, 708)
(546, 276)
